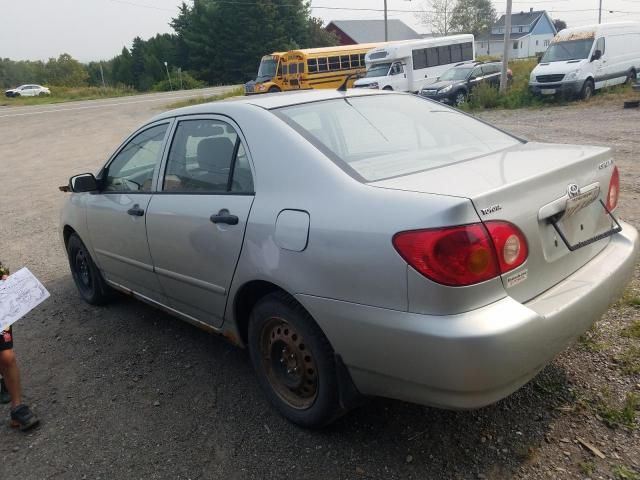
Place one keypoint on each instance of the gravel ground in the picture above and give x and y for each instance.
(125, 391)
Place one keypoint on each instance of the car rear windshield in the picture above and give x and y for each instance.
(384, 136)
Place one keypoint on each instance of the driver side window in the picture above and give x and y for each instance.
(132, 169)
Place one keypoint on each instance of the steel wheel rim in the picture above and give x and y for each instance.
(288, 363)
(81, 268)
(460, 99)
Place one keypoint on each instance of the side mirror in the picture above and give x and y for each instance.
(596, 55)
(84, 182)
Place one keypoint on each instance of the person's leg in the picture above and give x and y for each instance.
(11, 375)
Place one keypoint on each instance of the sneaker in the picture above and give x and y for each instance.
(23, 417)
(4, 393)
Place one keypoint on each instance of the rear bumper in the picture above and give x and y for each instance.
(559, 88)
(476, 358)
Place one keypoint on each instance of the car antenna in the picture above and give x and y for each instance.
(343, 87)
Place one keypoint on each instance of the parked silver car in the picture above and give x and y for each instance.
(358, 243)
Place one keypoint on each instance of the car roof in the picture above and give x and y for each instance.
(270, 101)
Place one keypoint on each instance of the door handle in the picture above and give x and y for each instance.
(136, 211)
(223, 216)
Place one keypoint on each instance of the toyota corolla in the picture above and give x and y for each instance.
(358, 243)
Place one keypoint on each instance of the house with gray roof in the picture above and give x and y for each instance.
(351, 32)
(531, 33)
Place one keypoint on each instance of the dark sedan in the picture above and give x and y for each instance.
(455, 85)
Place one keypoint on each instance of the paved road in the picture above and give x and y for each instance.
(125, 391)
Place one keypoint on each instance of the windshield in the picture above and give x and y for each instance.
(569, 50)
(378, 70)
(384, 136)
(456, 74)
(267, 69)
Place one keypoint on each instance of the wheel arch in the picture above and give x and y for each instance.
(67, 231)
(247, 296)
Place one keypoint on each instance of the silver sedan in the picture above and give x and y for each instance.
(358, 243)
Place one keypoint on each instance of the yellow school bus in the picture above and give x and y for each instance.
(325, 67)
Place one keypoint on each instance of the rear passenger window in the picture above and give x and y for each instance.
(444, 55)
(312, 65)
(467, 51)
(203, 158)
(456, 53)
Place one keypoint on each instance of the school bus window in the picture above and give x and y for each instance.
(334, 63)
(293, 68)
(280, 69)
(312, 65)
(355, 61)
(362, 59)
(344, 62)
(301, 68)
(322, 64)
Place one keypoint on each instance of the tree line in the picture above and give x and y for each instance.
(213, 42)
(446, 17)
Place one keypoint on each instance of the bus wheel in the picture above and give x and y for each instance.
(274, 89)
(388, 88)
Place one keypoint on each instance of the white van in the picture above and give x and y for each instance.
(584, 59)
(410, 65)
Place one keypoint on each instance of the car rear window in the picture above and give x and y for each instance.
(383, 136)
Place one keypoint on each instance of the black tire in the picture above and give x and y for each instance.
(274, 90)
(16, 94)
(588, 90)
(88, 279)
(283, 341)
(632, 76)
(459, 98)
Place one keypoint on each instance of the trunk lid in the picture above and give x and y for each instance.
(525, 185)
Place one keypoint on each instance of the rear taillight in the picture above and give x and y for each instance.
(463, 255)
(614, 190)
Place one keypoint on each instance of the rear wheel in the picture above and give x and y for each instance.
(587, 90)
(274, 89)
(88, 279)
(294, 361)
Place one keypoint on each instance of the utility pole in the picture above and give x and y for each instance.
(507, 45)
(386, 26)
(180, 74)
(102, 75)
(600, 13)
(166, 65)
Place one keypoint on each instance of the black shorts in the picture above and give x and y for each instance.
(6, 340)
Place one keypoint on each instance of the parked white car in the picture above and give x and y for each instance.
(27, 91)
(584, 59)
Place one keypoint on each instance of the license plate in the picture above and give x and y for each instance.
(580, 201)
(548, 91)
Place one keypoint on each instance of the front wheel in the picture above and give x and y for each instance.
(274, 90)
(294, 362)
(460, 98)
(632, 76)
(88, 279)
(587, 90)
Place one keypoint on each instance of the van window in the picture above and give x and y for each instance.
(600, 45)
(432, 57)
(419, 58)
(456, 53)
(444, 56)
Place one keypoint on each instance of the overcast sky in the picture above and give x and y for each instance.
(98, 29)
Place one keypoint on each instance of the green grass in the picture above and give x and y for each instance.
(518, 94)
(587, 468)
(625, 414)
(633, 330)
(624, 473)
(68, 94)
(630, 360)
(211, 98)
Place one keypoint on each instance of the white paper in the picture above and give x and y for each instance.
(19, 294)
